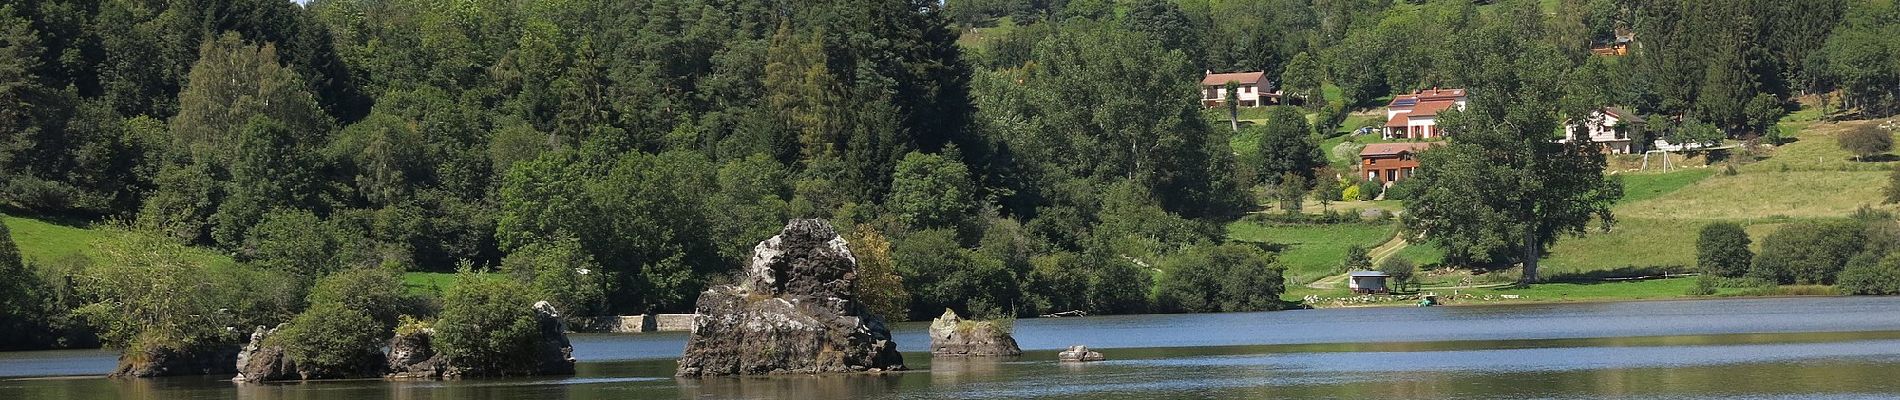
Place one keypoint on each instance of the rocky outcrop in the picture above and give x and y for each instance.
(795, 311)
(202, 360)
(953, 336)
(1079, 353)
(412, 353)
(412, 356)
(258, 362)
(553, 354)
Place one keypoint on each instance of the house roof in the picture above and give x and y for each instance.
(1427, 95)
(1387, 149)
(1427, 108)
(1242, 77)
(1622, 114)
(1370, 274)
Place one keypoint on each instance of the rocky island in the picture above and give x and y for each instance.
(951, 335)
(794, 312)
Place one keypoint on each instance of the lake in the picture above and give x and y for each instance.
(1792, 348)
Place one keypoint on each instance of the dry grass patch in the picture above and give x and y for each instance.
(1818, 149)
(1765, 195)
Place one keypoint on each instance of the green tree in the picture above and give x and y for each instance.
(1287, 147)
(23, 323)
(1305, 78)
(1223, 278)
(930, 191)
(1400, 269)
(1502, 191)
(1357, 259)
(331, 340)
(487, 322)
(561, 273)
(1807, 252)
(1878, 278)
(1722, 250)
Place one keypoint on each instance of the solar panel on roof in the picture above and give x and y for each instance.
(1405, 102)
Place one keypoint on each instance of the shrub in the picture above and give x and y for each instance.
(562, 273)
(1866, 141)
(1401, 190)
(1807, 252)
(1704, 286)
(1351, 193)
(1722, 250)
(334, 340)
(1878, 278)
(1357, 259)
(487, 322)
(1220, 278)
(377, 292)
(879, 287)
(1370, 190)
(1892, 191)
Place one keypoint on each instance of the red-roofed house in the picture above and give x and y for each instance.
(1255, 89)
(1391, 162)
(1611, 127)
(1415, 115)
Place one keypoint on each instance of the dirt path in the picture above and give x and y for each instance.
(1386, 250)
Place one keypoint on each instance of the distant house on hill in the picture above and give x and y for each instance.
(1255, 90)
(1611, 127)
(1390, 162)
(1616, 47)
(1368, 282)
(1415, 115)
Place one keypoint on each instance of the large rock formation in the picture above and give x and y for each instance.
(796, 311)
(258, 362)
(412, 356)
(953, 336)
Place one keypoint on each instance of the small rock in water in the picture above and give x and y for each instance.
(953, 336)
(1079, 353)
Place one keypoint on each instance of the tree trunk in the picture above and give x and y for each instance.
(1530, 262)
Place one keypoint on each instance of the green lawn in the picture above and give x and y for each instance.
(1638, 187)
(41, 242)
(428, 283)
(1764, 195)
(1311, 251)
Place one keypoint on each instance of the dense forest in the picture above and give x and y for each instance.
(621, 155)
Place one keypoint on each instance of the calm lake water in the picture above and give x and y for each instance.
(1717, 349)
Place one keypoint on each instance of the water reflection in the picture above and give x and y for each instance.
(1759, 348)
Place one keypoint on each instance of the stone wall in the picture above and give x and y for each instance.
(638, 323)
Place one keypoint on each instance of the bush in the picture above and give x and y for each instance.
(1704, 286)
(487, 323)
(1877, 278)
(377, 292)
(1866, 141)
(1807, 252)
(1370, 190)
(1722, 250)
(879, 287)
(562, 273)
(1401, 190)
(1357, 259)
(1401, 269)
(1220, 278)
(1351, 193)
(334, 340)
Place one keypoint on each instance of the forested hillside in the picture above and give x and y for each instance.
(1000, 157)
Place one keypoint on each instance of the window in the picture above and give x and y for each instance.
(1246, 89)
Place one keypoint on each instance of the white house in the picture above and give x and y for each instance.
(1415, 115)
(1254, 91)
(1611, 127)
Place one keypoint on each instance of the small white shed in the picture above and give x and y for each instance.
(1368, 282)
